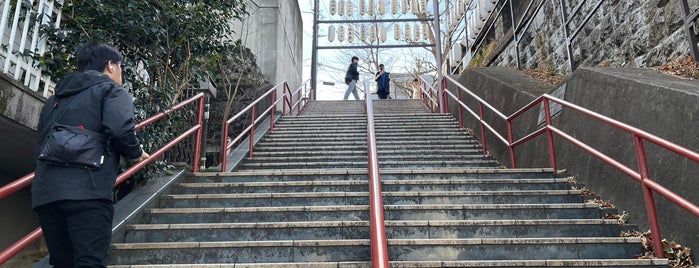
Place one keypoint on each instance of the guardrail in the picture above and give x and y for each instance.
(377, 229)
(287, 98)
(21, 39)
(26, 180)
(648, 185)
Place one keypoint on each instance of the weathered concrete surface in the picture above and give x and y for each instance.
(662, 105)
(19, 117)
(274, 33)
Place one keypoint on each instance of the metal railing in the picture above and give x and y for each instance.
(648, 185)
(23, 24)
(26, 180)
(377, 229)
(287, 99)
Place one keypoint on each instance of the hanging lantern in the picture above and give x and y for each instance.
(331, 33)
(415, 7)
(341, 8)
(425, 31)
(350, 34)
(350, 9)
(416, 32)
(396, 32)
(407, 32)
(333, 7)
(341, 33)
(362, 33)
(372, 33)
(362, 8)
(404, 6)
(372, 8)
(382, 33)
(423, 6)
(394, 7)
(462, 7)
(382, 7)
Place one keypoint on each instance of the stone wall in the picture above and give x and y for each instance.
(619, 34)
(664, 106)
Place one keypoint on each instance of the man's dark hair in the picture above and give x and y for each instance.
(415, 80)
(355, 58)
(381, 65)
(94, 56)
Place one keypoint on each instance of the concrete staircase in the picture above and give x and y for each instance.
(302, 201)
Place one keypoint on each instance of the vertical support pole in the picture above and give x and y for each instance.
(197, 140)
(314, 51)
(224, 146)
(565, 33)
(510, 147)
(689, 31)
(481, 119)
(251, 136)
(285, 101)
(648, 197)
(437, 49)
(445, 100)
(549, 134)
(273, 109)
(458, 104)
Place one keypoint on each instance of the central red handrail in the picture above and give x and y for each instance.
(639, 136)
(379, 248)
(26, 180)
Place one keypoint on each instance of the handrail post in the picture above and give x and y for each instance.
(648, 197)
(510, 147)
(224, 146)
(445, 100)
(252, 131)
(482, 119)
(272, 98)
(461, 120)
(197, 143)
(549, 134)
(285, 101)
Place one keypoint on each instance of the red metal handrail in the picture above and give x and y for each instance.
(26, 180)
(639, 136)
(379, 249)
(426, 94)
(286, 99)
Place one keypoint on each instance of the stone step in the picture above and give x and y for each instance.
(380, 146)
(432, 229)
(385, 136)
(443, 152)
(590, 263)
(482, 163)
(362, 186)
(361, 174)
(361, 198)
(361, 212)
(358, 250)
(358, 125)
(347, 130)
(383, 158)
(301, 144)
(407, 118)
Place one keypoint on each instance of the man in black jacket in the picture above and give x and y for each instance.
(351, 79)
(74, 204)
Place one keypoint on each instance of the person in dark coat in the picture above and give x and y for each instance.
(351, 78)
(382, 83)
(74, 204)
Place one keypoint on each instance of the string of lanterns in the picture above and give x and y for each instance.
(410, 31)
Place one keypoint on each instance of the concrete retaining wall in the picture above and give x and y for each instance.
(662, 105)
